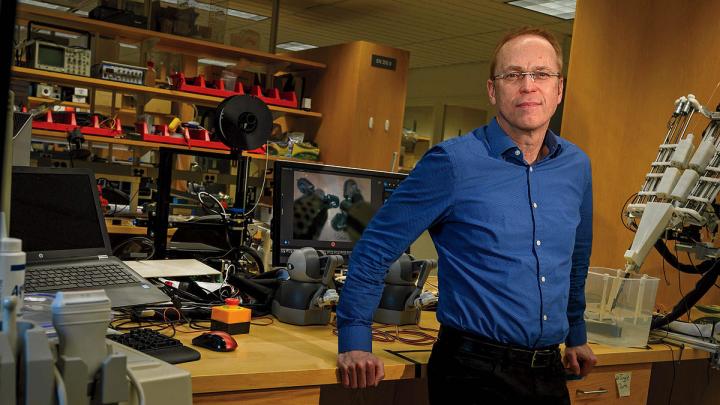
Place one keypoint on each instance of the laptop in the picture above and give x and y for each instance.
(57, 215)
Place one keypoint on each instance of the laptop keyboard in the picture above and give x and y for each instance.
(77, 276)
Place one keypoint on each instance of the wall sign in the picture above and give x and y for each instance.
(384, 62)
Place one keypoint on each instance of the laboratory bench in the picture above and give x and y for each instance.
(283, 363)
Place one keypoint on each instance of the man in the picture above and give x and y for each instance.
(509, 208)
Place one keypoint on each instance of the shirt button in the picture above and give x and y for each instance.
(517, 152)
(544, 317)
(534, 205)
(537, 242)
(542, 279)
(531, 169)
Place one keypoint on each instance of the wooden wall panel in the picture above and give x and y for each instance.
(348, 93)
(334, 92)
(629, 61)
(685, 383)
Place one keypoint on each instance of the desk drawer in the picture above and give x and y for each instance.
(600, 386)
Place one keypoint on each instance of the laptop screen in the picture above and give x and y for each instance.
(56, 213)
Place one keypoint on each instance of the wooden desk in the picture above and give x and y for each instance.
(293, 364)
(286, 362)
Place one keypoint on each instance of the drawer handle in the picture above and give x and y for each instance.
(592, 392)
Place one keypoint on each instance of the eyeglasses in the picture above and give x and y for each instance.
(514, 77)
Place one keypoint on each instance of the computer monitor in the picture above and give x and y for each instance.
(324, 207)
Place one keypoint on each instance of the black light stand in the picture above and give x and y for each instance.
(7, 24)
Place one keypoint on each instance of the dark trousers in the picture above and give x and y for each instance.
(461, 373)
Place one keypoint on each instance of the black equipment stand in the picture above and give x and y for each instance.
(158, 228)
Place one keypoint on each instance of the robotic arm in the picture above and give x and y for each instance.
(677, 201)
(680, 189)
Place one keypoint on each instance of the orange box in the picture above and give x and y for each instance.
(230, 314)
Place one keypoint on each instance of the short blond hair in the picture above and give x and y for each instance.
(527, 31)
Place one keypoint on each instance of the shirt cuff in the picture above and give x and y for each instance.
(354, 338)
(577, 336)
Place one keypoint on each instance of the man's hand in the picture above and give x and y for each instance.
(359, 369)
(579, 359)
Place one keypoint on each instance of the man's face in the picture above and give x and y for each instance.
(526, 105)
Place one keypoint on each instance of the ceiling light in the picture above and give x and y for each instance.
(218, 9)
(246, 16)
(201, 6)
(215, 62)
(44, 4)
(564, 9)
(295, 46)
(65, 35)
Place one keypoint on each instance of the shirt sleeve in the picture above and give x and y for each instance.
(577, 334)
(421, 200)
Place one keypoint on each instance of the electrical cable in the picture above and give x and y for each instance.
(264, 176)
(143, 240)
(263, 324)
(115, 211)
(396, 335)
(72, 164)
(222, 214)
(665, 252)
(423, 338)
(113, 119)
(672, 361)
(138, 388)
(254, 255)
(218, 292)
(60, 390)
(683, 296)
(701, 287)
(679, 280)
(672, 382)
(709, 271)
(224, 255)
(622, 215)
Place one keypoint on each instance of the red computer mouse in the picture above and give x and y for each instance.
(216, 340)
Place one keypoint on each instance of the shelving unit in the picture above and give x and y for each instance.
(168, 42)
(34, 101)
(40, 133)
(155, 92)
(61, 136)
(346, 89)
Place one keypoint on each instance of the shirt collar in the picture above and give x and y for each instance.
(500, 142)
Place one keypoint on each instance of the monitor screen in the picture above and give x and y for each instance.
(51, 56)
(56, 210)
(324, 207)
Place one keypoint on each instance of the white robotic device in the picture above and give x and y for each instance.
(82, 367)
(681, 186)
(676, 202)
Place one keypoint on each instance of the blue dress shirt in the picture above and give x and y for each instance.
(513, 241)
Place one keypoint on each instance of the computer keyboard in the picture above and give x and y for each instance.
(76, 276)
(156, 344)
